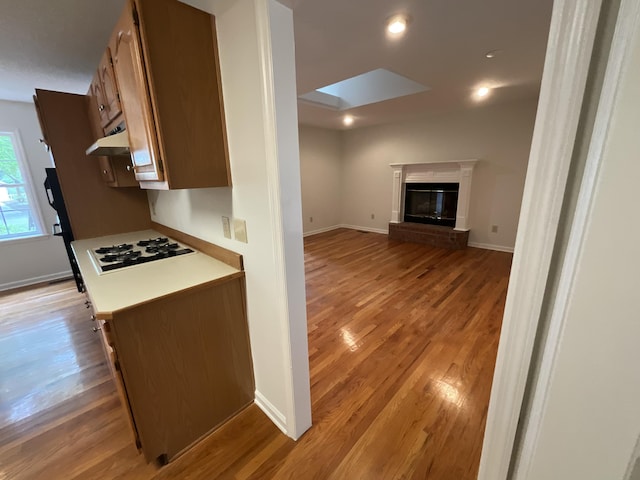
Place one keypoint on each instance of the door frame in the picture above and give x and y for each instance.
(567, 64)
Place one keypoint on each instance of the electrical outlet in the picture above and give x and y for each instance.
(310, 219)
(373, 216)
(494, 228)
(240, 230)
(226, 227)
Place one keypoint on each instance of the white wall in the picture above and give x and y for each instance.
(29, 261)
(258, 78)
(321, 168)
(590, 421)
(499, 136)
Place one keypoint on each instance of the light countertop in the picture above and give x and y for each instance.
(119, 289)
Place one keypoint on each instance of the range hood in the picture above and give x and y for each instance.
(116, 144)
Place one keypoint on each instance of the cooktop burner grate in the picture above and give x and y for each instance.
(114, 257)
(115, 249)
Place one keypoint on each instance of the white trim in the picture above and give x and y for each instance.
(263, 28)
(489, 246)
(297, 385)
(33, 238)
(569, 49)
(275, 415)
(23, 164)
(320, 230)
(628, 20)
(34, 280)
(384, 231)
(451, 171)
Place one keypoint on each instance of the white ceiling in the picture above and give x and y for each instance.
(52, 44)
(57, 45)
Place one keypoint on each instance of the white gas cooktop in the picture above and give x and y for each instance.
(110, 258)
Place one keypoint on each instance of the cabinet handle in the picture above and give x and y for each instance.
(93, 318)
(101, 108)
(95, 329)
(129, 168)
(87, 303)
(104, 172)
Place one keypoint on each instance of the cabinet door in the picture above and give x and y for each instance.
(44, 140)
(128, 64)
(99, 102)
(107, 78)
(104, 327)
(106, 170)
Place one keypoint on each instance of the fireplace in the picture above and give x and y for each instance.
(431, 203)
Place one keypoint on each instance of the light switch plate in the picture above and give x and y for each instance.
(240, 230)
(226, 227)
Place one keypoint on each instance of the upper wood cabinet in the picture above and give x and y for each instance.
(93, 207)
(109, 86)
(165, 59)
(115, 171)
(104, 91)
(131, 78)
(45, 137)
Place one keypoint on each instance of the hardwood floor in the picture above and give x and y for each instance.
(402, 345)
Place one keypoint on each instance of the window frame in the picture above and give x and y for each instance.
(32, 198)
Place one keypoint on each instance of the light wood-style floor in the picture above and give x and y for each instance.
(402, 344)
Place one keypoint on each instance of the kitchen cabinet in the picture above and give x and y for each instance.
(185, 365)
(104, 92)
(93, 207)
(104, 114)
(45, 138)
(111, 97)
(176, 340)
(117, 171)
(166, 67)
(103, 328)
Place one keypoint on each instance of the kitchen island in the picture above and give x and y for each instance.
(176, 338)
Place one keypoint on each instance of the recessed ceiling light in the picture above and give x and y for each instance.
(482, 92)
(492, 53)
(397, 24)
(347, 120)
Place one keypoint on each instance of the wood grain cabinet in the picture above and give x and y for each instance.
(104, 92)
(117, 171)
(165, 60)
(43, 128)
(94, 208)
(107, 77)
(105, 114)
(182, 364)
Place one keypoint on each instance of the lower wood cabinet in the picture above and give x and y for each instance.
(182, 364)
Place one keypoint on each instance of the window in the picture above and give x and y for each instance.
(19, 214)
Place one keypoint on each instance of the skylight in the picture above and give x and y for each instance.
(371, 87)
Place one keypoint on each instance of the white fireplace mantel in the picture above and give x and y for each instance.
(458, 171)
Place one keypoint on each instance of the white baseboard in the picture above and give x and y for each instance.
(320, 230)
(272, 412)
(384, 231)
(488, 246)
(32, 281)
